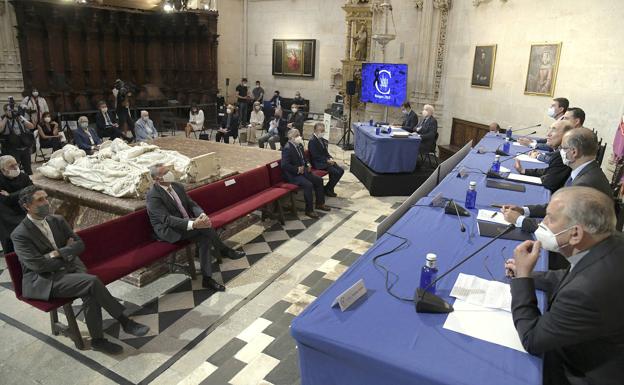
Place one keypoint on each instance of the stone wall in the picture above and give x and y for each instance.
(10, 69)
(229, 52)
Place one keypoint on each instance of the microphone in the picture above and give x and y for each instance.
(529, 127)
(515, 155)
(430, 303)
(462, 228)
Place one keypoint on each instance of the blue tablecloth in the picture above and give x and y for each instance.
(384, 154)
(382, 340)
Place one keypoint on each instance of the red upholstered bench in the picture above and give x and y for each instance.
(230, 199)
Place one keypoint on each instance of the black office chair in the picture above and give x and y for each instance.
(600, 154)
(431, 152)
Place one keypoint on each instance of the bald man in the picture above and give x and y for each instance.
(581, 333)
(555, 175)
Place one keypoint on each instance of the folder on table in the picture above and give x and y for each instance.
(504, 185)
(492, 229)
(525, 179)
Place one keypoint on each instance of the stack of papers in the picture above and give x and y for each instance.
(525, 178)
(492, 216)
(526, 158)
(479, 291)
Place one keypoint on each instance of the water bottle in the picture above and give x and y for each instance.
(506, 146)
(429, 273)
(496, 165)
(471, 195)
(389, 130)
(371, 122)
(377, 131)
(508, 133)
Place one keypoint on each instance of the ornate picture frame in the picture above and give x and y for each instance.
(483, 66)
(296, 58)
(542, 69)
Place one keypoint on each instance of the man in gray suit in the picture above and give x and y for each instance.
(49, 252)
(175, 216)
(581, 333)
(578, 151)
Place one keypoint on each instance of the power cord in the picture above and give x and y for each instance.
(387, 272)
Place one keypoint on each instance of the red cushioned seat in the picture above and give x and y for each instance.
(218, 195)
(240, 209)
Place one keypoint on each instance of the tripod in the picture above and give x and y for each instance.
(346, 137)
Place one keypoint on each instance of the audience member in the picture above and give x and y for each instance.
(242, 96)
(494, 127)
(555, 175)
(256, 121)
(49, 134)
(12, 181)
(299, 101)
(144, 128)
(410, 120)
(229, 125)
(126, 118)
(427, 129)
(34, 106)
(580, 333)
(276, 100)
(258, 93)
(296, 118)
(322, 160)
(49, 252)
(106, 123)
(85, 138)
(277, 126)
(297, 171)
(196, 120)
(17, 138)
(175, 217)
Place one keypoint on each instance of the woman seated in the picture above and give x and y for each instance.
(256, 121)
(49, 134)
(196, 120)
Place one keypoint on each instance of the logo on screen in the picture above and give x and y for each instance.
(382, 82)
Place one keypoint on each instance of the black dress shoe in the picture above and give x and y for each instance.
(311, 214)
(135, 328)
(330, 194)
(235, 254)
(105, 346)
(210, 283)
(323, 207)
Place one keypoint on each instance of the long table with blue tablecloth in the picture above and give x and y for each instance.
(384, 154)
(382, 340)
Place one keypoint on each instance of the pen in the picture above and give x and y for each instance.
(493, 215)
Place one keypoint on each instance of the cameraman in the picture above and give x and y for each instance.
(17, 137)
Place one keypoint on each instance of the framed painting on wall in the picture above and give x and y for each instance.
(542, 71)
(294, 57)
(483, 66)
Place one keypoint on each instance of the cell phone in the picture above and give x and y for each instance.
(496, 205)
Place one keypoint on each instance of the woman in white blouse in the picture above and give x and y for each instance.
(256, 121)
(196, 120)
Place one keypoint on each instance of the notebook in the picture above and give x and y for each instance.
(525, 179)
(505, 185)
(491, 230)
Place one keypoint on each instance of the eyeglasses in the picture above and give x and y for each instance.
(485, 264)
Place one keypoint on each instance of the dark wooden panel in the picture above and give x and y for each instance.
(463, 131)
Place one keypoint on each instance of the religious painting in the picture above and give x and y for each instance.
(542, 71)
(483, 66)
(294, 58)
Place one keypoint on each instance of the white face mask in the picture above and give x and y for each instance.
(425, 113)
(13, 173)
(104, 109)
(35, 94)
(145, 118)
(564, 157)
(168, 177)
(229, 111)
(84, 125)
(548, 238)
(298, 140)
(551, 112)
(244, 84)
(47, 119)
(294, 110)
(257, 108)
(404, 112)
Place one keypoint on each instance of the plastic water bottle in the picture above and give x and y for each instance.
(429, 273)
(496, 165)
(471, 195)
(377, 131)
(389, 130)
(371, 122)
(508, 133)
(506, 146)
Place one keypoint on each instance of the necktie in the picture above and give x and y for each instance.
(107, 119)
(176, 198)
(568, 182)
(45, 228)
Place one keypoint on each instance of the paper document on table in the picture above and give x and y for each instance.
(504, 170)
(525, 178)
(491, 216)
(518, 144)
(491, 325)
(526, 158)
(479, 291)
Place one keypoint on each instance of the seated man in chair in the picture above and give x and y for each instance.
(297, 171)
(86, 138)
(49, 252)
(175, 216)
(229, 125)
(427, 129)
(322, 160)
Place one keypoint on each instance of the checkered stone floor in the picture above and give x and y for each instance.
(265, 353)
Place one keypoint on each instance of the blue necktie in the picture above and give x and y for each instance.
(568, 182)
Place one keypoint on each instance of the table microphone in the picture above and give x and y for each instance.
(455, 210)
(430, 303)
(515, 155)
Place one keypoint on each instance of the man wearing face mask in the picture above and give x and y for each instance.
(581, 333)
(557, 109)
(49, 252)
(144, 128)
(12, 181)
(297, 171)
(17, 137)
(296, 118)
(299, 101)
(229, 125)
(410, 120)
(86, 138)
(258, 93)
(276, 100)
(322, 160)
(34, 107)
(106, 123)
(578, 151)
(427, 129)
(277, 130)
(242, 95)
(175, 216)
(554, 176)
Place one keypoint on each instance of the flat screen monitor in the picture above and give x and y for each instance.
(384, 83)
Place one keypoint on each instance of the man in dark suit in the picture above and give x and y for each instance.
(296, 118)
(229, 125)
(12, 181)
(49, 252)
(322, 160)
(581, 333)
(86, 138)
(557, 110)
(427, 129)
(106, 123)
(297, 171)
(555, 175)
(579, 146)
(175, 216)
(410, 120)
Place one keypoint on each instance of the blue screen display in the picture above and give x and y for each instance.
(384, 83)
